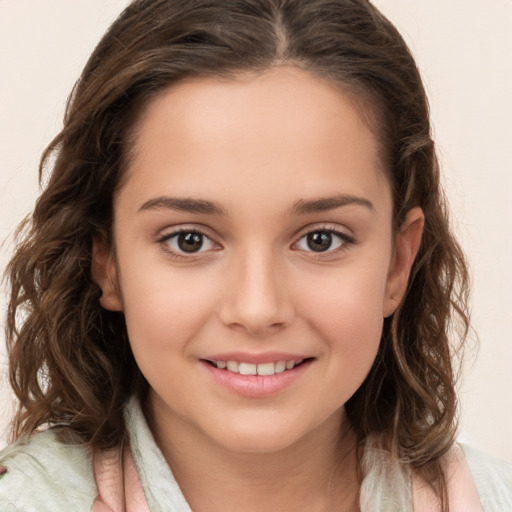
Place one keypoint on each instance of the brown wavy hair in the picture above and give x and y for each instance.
(70, 360)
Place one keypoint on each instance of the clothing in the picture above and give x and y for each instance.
(44, 475)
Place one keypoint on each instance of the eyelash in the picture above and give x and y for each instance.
(345, 241)
(165, 239)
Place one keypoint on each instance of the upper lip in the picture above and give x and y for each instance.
(256, 358)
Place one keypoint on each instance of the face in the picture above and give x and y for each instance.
(254, 257)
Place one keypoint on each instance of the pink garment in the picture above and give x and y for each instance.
(118, 482)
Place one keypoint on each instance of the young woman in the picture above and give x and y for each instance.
(236, 288)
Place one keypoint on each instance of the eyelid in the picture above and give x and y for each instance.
(346, 238)
(326, 226)
(172, 232)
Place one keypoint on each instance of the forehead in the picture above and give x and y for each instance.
(284, 128)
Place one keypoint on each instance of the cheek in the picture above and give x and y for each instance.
(164, 308)
(350, 297)
(351, 323)
(345, 310)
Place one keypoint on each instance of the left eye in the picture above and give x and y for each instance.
(189, 242)
(321, 241)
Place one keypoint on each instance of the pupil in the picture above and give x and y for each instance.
(190, 242)
(319, 241)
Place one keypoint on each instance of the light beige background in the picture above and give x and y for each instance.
(464, 50)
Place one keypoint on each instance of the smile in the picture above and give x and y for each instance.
(256, 379)
(264, 369)
(256, 375)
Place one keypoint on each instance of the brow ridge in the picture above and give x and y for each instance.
(186, 204)
(322, 204)
(301, 207)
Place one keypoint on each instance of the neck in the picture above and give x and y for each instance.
(317, 473)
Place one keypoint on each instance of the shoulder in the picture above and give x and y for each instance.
(492, 477)
(43, 474)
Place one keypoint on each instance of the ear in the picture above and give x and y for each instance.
(407, 244)
(104, 273)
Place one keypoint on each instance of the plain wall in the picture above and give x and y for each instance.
(464, 51)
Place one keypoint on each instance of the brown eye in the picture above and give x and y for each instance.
(319, 241)
(190, 242)
(187, 242)
(323, 240)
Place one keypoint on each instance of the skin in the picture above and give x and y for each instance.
(258, 146)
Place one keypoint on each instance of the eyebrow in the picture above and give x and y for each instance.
(301, 207)
(184, 204)
(323, 204)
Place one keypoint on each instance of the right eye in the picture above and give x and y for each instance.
(187, 242)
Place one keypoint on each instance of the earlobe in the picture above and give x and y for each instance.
(407, 244)
(104, 273)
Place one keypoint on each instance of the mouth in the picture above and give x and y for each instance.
(257, 375)
(262, 369)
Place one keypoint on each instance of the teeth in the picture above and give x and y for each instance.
(266, 369)
(232, 366)
(247, 369)
(280, 366)
(257, 369)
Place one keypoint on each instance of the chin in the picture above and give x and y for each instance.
(257, 437)
(261, 443)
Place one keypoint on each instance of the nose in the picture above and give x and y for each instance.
(256, 298)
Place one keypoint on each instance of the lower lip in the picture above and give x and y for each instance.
(256, 386)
